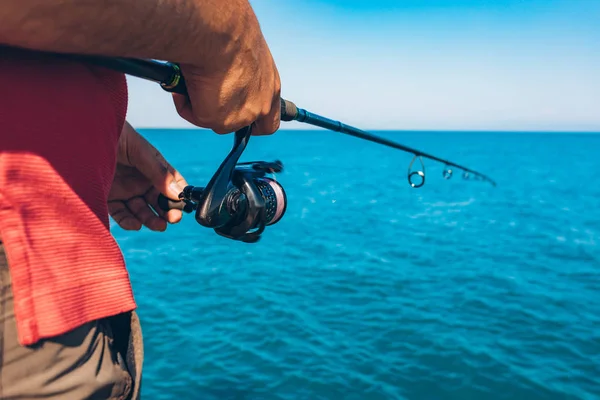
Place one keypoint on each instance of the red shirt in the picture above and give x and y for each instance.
(60, 123)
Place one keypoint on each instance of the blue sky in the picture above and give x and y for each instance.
(427, 64)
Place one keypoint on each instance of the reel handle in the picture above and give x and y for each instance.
(167, 204)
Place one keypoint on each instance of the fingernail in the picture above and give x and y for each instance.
(175, 188)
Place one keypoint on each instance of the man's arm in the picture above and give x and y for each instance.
(231, 77)
(184, 31)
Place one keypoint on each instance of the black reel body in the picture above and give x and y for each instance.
(240, 200)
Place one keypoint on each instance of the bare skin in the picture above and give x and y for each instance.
(141, 174)
(231, 76)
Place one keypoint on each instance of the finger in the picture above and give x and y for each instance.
(174, 216)
(151, 163)
(151, 198)
(171, 216)
(271, 122)
(179, 178)
(140, 208)
(123, 217)
(184, 108)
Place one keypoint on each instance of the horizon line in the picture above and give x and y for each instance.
(593, 132)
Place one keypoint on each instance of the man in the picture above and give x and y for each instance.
(68, 159)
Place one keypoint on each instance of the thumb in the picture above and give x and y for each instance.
(151, 163)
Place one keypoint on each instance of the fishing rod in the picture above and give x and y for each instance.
(242, 199)
(169, 76)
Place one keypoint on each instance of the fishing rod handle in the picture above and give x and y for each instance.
(289, 111)
(176, 82)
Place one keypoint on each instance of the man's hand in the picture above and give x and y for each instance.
(142, 174)
(240, 89)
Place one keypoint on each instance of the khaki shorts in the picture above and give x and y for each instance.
(99, 360)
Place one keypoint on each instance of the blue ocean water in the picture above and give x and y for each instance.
(370, 289)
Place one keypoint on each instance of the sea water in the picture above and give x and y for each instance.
(370, 289)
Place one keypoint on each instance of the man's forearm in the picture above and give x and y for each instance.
(184, 31)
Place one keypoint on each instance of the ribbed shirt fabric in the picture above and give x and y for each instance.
(60, 123)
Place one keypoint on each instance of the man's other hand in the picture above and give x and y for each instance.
(142, 173)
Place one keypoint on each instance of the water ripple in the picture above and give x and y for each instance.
(369, 289)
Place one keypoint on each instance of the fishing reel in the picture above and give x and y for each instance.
(240, 200)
